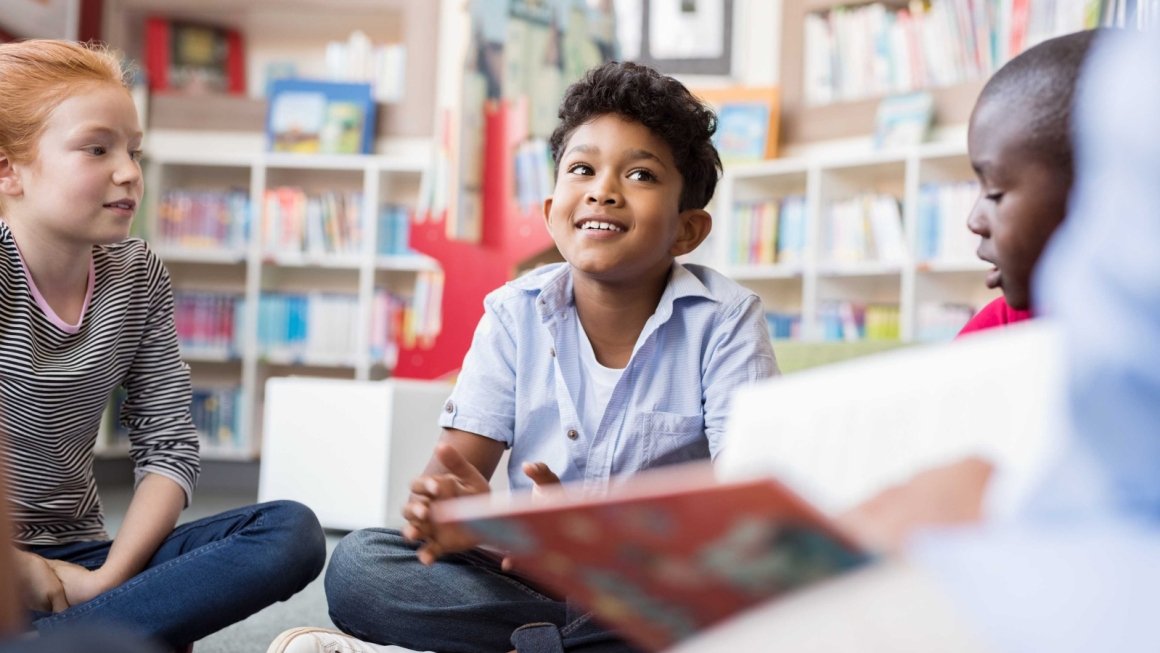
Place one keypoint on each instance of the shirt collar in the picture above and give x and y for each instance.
(555, 289)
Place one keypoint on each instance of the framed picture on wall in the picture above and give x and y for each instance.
(41, 19)
(677, 36)
(193, 58)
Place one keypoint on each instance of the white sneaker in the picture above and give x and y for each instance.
(323, 640)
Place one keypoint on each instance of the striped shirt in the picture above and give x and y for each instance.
(520, 379)
(56, 379)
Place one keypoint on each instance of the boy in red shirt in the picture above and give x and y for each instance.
(1019, 141)
(1020, 147)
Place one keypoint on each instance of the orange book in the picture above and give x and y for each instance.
(665, 553)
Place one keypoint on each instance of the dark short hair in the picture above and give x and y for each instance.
(660, 103)
(1040, 84)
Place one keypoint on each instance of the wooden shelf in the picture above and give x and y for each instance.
(267, 26)
(220, 112)
(807, 124)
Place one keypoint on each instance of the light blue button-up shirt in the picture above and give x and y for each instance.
(522, 374)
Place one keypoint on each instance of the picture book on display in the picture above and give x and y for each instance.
(665, 553)
(320, 117)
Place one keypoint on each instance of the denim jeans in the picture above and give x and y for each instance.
(206, 575)
(379, 592)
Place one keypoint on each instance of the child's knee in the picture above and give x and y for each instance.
(364, 561)
(299, 540)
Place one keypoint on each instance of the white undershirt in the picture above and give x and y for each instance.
(596, 384)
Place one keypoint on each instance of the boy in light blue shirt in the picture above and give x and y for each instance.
(619, 360)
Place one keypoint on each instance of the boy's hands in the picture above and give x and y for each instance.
(40, 588)
(546, 483)
(459, 479)
(544, 478)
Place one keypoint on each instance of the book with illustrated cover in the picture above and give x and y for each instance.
(747, 121)
(665, 553)
(320, 117)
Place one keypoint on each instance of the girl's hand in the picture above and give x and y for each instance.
(80, 584)
(40, 588)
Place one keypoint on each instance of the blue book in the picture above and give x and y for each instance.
(317, 117)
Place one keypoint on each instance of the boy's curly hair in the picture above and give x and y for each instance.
(660, 103)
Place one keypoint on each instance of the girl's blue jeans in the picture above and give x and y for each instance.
(206, 575)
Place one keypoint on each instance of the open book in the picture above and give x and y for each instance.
(665, 553)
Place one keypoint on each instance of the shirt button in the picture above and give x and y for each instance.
(553, 352)
(573, 434)
(449, 406)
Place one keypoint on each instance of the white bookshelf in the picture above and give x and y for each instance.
(822, 178)
(248, 271)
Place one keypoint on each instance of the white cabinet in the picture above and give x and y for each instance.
(875, 237)
(348, 449)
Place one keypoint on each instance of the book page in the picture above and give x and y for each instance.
(841, 433)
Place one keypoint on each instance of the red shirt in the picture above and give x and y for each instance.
(995, 314)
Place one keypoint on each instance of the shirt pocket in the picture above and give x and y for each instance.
(670, 438)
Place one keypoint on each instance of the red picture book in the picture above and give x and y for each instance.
(666, 553)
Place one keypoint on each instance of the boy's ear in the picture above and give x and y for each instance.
(547, 208)
(9, 178)
(693, 227)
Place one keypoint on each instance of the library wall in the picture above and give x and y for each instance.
(289, 265)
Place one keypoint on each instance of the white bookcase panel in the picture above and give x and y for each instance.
(811, 281)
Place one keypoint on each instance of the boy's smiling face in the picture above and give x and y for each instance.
(614, 213)
(1022, 198)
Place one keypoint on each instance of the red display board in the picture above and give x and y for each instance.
(510, 236)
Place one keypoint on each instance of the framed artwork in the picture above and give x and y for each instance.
(315, 117)
(193, 58)
(747, 118)
(677, 36)
(41, 19)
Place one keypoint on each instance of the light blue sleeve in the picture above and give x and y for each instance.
(483, 401)
(740, 354)
(1100, 277)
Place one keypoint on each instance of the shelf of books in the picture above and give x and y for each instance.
(283, 265)
(840, 58)
(872, 247)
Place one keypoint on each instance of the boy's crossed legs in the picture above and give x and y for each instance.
(378, 591)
